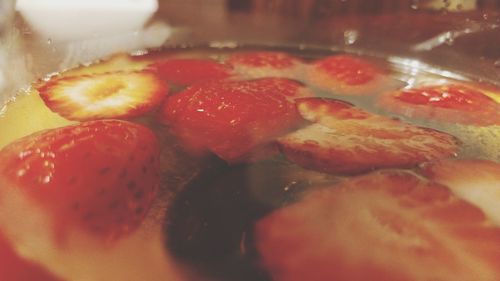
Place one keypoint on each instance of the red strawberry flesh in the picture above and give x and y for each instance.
(348, 69)
(346, 139)
(384, 226)
(476, 181)
(99, 175)
(104, 95)
(350, 75)
(445, 103)
(15, 268)
(190, 71)
(453, 96)
(230, 118)
(275, 60)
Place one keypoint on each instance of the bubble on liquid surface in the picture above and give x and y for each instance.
(415, 4)
(350, 37)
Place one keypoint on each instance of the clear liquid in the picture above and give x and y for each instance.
(203, 218)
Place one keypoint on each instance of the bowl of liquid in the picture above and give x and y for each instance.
(255, 141)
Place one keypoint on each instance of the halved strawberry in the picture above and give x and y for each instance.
(189, 71)
(264, 64)
(475, 181)
(446, 103)
(349, 75)
(116, 63)
(15, 268)
(489, 90)
(105, 95)
(346, 139)
(98, 176)
(231, 118)
(384, 226)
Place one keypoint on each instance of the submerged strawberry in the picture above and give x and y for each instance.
(476, 181)
(189, 71)
(349, 75)
(231, 118)
(98, 176)
(346, 139)
(384, 226)
(115, 63)
(264, 64)
(445, 103)
(104, 95)
(15, 268)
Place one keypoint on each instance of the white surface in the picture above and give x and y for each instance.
(67, 20)
(84, 51)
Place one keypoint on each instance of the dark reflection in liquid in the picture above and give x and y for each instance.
(210, 223)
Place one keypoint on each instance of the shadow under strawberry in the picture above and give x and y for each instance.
(209, 226)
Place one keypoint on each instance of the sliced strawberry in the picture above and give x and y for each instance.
(445, 103)
(384, 226)
(189, 71)
(231, 118)
(15, 268)
(476, 181)
(348, 140)
(264, 64)
(100, 176)
(489, 90)
(115, 63)
(349, 75)
(106, 95)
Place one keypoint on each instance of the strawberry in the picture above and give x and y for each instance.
(349, 75)
(346, 139)
(446, 103)
(476, 181)
(15, 268)
(264, 64)
(105, 95)
(99, 176)
(231, 118)
(489, 90)
(185, 71)
(115, 63)
(383, 226)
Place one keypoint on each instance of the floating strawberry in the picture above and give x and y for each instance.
(265, 64)
(476, 181)
(345, 139)
(98, 176)
(349, 75)
(185, 71)
(105, 95)
(15, 268)
(115, 63)
(231, 118)
(446, 103)
(384, 226)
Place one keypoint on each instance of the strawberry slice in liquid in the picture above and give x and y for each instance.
(345, 139)
(265, 64)
(444, 103)
(15, 268)
(189, 71)
(349, 75)
(104, 95)
(99, 177)
(476, 181)
(384, 226)
(232, 118)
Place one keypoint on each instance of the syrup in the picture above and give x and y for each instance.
(202, 221)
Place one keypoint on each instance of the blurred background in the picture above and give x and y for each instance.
(41, 36)
(400, 26)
